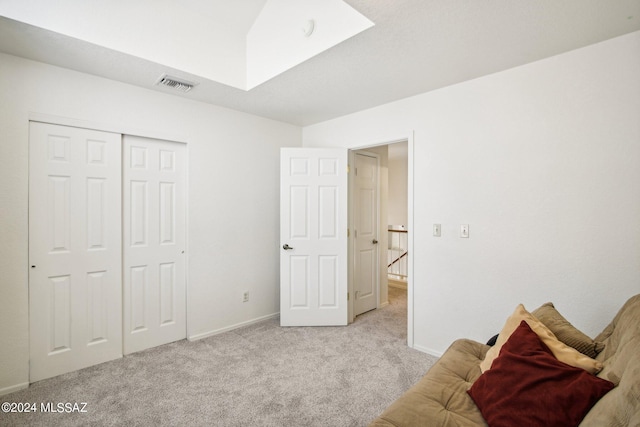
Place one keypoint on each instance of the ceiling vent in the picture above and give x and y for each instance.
(175, 83)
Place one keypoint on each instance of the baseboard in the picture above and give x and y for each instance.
(397, 284)
(197, 337)
(384, 304)
(427, 350)
(13, 388)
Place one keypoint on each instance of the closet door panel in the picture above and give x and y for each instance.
(75, 255)
(154, 236)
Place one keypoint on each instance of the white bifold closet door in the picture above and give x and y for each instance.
(154, 299)
(75, 257)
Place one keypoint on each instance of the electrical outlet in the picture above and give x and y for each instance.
(245, 296)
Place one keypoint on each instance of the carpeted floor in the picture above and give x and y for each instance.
(259, 375)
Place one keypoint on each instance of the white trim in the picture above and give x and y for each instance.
(186, 239)
(105, 127)
(409, 136)
(203, 335)
(384, 304)
(13, 388)
(410, 234)
(350, 239)
(427, 350)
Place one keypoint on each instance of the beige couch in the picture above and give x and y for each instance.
(440, 398)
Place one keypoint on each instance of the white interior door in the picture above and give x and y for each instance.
(154, 243)
(365, 203)
(75, 299)
(313, 237)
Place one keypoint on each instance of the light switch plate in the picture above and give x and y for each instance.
(464, 231)
(437, 230)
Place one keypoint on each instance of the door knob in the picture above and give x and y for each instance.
(375, 242)
(286, 247)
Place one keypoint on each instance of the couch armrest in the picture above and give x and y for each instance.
(440, 398)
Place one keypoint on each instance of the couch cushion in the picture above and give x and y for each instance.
(561, 351)
(440, 398)
(442, 405)
(621, 357)
(565, 331)
(528, 386)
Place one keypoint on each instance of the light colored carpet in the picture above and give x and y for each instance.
(259, 375)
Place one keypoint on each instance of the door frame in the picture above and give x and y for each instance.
(409, 139)
(351, 252)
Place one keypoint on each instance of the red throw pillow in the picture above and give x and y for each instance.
(528, 386)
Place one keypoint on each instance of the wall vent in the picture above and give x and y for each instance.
(175, 83)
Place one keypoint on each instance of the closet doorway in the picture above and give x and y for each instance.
(80, 254)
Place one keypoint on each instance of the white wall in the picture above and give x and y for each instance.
(543, 162)
(233, 194)
(398, 170)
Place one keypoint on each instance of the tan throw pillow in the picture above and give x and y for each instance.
(565, 331)
(562, 352)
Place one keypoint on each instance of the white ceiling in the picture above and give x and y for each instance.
(240, 44)
(415, 46)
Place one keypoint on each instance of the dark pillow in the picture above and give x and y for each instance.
(528, 386)
(492, 340)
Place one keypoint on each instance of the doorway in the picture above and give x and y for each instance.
(397, 218)
(394, 210)
(312, 209)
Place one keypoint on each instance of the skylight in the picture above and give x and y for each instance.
(237, 43)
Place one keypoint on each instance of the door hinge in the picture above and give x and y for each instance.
(347, 296)
(348, 168)
(347, 232)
